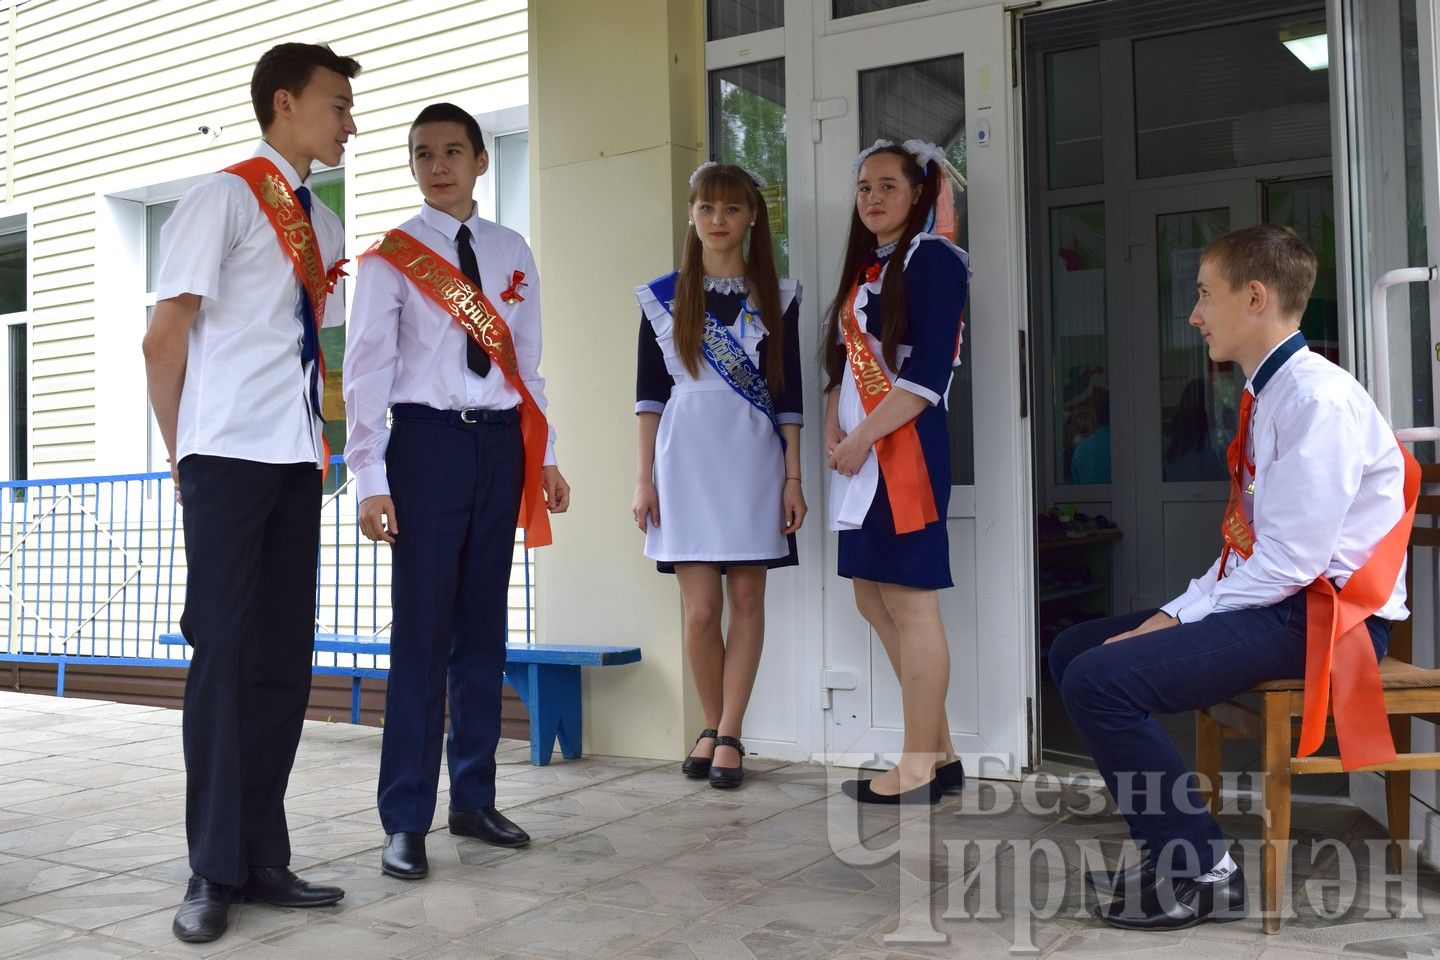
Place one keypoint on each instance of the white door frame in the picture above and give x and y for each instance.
(1001, 499)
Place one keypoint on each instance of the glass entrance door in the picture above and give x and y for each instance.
(941, 78)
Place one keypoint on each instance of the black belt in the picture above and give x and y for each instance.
(471, 416)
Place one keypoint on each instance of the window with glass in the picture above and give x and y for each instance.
(1422, 383)
(1308, 207)
(925, 99)
(747, 127)
(840, 9)
(1199, 399)
(735, 18)
(512, 182)
(1073, 134)
(14, 302)
(1080, 345)
(1261, 101)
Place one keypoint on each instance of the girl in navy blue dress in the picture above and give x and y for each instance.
(892, 339)
(717, 489)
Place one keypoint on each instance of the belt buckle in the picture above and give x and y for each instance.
(465, 415)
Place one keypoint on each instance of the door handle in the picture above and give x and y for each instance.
(1380, 340)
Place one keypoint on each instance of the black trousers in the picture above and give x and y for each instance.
(456, 487)
(252, 536)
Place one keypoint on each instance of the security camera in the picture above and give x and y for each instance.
(209, 130)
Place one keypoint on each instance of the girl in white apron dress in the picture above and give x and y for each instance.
(717, 490)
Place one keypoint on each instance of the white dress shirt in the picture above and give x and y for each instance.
(1329, 484)
(245, 394)
(403, 348)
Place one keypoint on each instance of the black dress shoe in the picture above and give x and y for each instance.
(861, 791)
(727, 778)
(1118, 883)
(1174, 904)
(279, 887)
(698, 767)
(488, 824)
(205, 913)
(951, 777)
(404, 856)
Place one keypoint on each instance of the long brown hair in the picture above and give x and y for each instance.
(726, 183)
(859, 248)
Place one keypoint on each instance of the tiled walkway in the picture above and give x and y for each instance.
(629, 860)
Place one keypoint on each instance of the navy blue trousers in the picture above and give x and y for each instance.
(252, 534)
(1112, 692)
(456, 488)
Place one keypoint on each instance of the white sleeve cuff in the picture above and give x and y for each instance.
(175, 286)
(919, 391)
(1197, 609)
(549, 454)
(797, 419)
(371, 481)
(649, 406)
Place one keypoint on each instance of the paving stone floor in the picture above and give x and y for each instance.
(629, 860)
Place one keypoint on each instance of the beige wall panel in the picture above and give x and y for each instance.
(602, 144)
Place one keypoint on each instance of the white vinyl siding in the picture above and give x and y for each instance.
(108, 96)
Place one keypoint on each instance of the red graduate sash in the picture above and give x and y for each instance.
(902, 461)
(1340, 660)
(448, 288)
(297, 240)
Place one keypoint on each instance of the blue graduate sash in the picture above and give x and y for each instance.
(725, 354)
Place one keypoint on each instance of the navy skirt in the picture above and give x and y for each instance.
(919, 559)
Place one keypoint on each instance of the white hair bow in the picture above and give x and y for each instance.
(755, 178)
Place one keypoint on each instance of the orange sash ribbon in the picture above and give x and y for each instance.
(902, 461)
(297, 240)
(448, 288)
(1340, 662)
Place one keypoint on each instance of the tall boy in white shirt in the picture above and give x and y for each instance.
(235, 373)
(1321, 500)
(444, 337)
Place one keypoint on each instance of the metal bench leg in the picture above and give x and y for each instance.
(60, 679)
(354, 699)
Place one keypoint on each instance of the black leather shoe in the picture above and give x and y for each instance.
(727, 778)
(698, 767)
(1174, 904)
(279, 887)
(1120, 882)
(404, 856)
(951, 777)
(487, 824)
(860, 790)
(205, 913)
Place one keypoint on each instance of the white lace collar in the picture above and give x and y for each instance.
(882, 252)
(731, 286)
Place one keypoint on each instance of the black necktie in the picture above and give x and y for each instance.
(309, 338)
(475, 357)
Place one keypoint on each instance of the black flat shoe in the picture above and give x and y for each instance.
(279, 887)
(727, 778)
(1120, 882)
(951, 777)
(1174, 904)
(205, 913)
(404, 856)
(488, 824)
(861, 791)
(698, 767)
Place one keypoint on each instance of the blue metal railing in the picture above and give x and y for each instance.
(92, 572)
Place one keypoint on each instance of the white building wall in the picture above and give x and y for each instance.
(103, 101)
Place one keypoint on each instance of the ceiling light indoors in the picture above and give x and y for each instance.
(1313, 51)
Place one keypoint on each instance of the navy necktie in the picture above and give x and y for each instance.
(309, 338)
(475, 357)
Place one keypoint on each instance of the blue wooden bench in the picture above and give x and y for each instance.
(545, 676)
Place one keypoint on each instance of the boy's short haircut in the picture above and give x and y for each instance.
(1271, 254)
(289, 66)
(449, 113)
